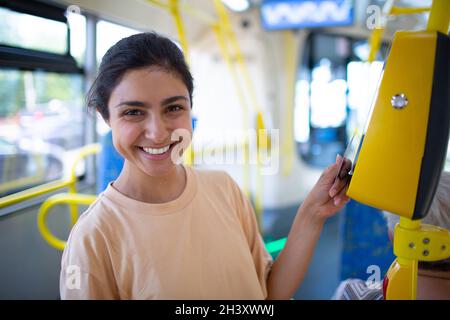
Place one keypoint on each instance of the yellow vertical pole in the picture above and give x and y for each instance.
(375, 43)
(225, 22)
(439, 16)
(407, 268)
(219, 32)
(175, 12)
(289, 81)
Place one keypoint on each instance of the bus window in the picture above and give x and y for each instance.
(108, 34)
(32, 32)
(77, 24)
(41, 116)
(334, 92)
(41, 97)
(322, 97)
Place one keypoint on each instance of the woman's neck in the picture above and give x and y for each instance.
(433, 285)
(139, 186)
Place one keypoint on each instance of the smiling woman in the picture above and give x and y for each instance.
(142, 120)
(165, 231)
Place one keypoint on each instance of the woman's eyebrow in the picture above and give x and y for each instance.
(136, 103)
(173, 99)
(133, 103)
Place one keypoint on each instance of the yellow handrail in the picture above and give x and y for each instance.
(81, 153)
(395, 11)
(68, 181)
(69, 198)
(33, 192)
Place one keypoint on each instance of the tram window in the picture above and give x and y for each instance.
(328, 96)
(335, 88)
(321, 99)
(108, 34)
(41, 118)
(77, 24)
(32, 32)
(363, 80)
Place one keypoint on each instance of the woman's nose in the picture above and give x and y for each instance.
(156, 130)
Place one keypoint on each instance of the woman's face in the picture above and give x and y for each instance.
(145, 108)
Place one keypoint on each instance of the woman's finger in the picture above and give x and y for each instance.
(338, 185)
(341, 197)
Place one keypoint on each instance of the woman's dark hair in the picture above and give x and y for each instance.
(134, 52)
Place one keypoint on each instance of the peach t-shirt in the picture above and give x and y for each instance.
(203, 245)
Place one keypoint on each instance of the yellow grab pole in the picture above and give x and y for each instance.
(439, 16)
(375, 43)
(377, 34)
(159, 4)
(175, 12)
(174, 8)
(189, 155)
(219, 32)
(225, 22)
(290, 72)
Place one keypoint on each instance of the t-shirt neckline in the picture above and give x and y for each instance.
(132, 205)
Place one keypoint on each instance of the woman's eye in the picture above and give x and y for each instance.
(133, 112)
(174, 108)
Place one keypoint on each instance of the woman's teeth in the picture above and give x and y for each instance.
(156, 151)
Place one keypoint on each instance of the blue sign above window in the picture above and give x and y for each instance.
(296, 14)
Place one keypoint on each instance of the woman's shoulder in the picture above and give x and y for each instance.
(93, 222)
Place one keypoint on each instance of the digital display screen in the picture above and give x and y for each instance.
(297, 14)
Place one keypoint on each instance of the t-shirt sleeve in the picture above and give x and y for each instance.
(86, 271)
(261, 257)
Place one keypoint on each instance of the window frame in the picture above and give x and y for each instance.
(24, 59)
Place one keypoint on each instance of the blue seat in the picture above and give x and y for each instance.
(109, 163)
(365, 241)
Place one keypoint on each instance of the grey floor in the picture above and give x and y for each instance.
(323, 273)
